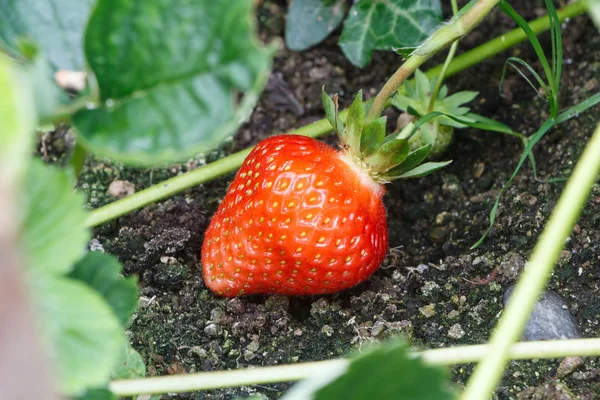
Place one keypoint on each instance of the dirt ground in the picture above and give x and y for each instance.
(421, 291)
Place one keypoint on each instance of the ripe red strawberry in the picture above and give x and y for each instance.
(301, 218)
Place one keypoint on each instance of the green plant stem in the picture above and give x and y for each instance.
(440, 79)
(593, 8)
(506, 41)
(318, 128)
(78, 159)
(545, 254)
(294, 372)
(456, 28)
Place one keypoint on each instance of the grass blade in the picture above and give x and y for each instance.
(532, 141)
(537, 47)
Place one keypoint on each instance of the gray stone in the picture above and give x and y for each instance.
(550, 319)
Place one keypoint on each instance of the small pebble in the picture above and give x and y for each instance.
(95, 245)
(119, 189)
(327, 330)
(568, 366)
(550, 319)
(428, 311)
(456, 332)
(378, 328)
(211, 330)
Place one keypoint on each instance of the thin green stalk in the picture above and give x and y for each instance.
(449, 57)
(318, 128)
(193, 178)
(78, 159)
(462, 23)
(593, 9)
(545, 254)
(295, 372)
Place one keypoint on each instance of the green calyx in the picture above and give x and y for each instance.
(384, 157)
(439, 132)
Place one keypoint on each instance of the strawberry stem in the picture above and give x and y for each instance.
(440, 79)
(468, 18)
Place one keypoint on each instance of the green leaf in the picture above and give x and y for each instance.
(413, 159)
(56, 29)
(79, 329)
(102, 272)
(387, 372)
(405, 52)
(17, 122)
(310, 21)
(424, 169)
(56, 26)
(54, 232)
(387, 25)
(332, 111)
(129, 365)
(460, 98)
(169, 74)
(564, 116)
(552, 73)
(355, 122)
(373, 136)
(423, 86)
(390, 153)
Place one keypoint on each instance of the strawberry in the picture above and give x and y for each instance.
(301, 218)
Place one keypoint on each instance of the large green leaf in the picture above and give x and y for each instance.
(129, 365)
(54, 234)
(169, 73)
(80, 331)
(102, 272)
(387, 372)
(387, 25)
(55, 28)
(17, 122)
(310, 21)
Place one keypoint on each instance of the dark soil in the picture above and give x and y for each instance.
(422, 290)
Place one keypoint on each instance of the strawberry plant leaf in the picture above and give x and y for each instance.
(388, 155)
(373, 136)
(399, 375)
(54, 233)
(129, 365)
(387, 25)
(424, 169)
(170, 93)
(413, 159)
(17, 122)
(102, 272)
(310, 21)
(56, 26)
(80, 331)
(355, 122)
(405, 52)
(55, 29)
(331, 111)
